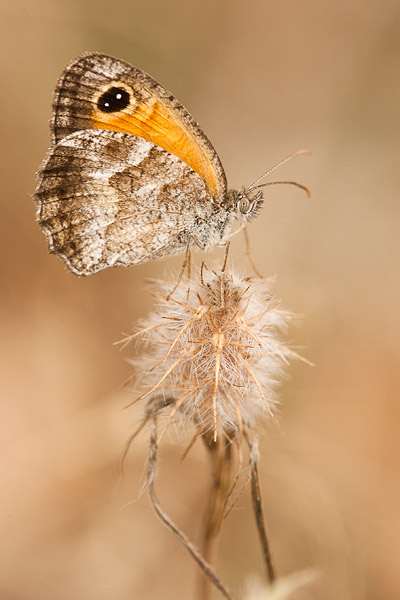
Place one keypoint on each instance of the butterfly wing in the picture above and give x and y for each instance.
(101, 92)
(107, 198)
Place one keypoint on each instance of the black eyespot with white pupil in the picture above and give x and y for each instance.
(113, 100)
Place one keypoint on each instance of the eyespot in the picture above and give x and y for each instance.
(113, 100)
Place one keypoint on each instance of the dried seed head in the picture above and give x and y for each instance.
(213, 354)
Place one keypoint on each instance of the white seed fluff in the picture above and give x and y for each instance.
(213, 355)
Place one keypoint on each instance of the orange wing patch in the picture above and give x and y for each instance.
(157, 124)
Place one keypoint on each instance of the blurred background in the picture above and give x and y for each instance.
(263, 79)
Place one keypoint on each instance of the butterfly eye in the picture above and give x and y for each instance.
(243, 204)
(113, 100)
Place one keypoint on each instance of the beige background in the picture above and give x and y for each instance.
(263, 79)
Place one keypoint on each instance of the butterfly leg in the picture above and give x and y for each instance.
(227, 245)
(187, 262)
(233, 233)
(248, 249)
(250, 256)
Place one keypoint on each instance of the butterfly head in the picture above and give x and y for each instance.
(246, 203)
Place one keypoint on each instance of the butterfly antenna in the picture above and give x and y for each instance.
(279, 164)
(299, 185)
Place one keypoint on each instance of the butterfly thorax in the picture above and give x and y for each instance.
(240, 207)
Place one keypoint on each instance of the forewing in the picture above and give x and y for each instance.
(109, 199)
(148, 110)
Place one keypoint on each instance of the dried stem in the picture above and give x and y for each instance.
(259, 512)
(220, 454)
(236, 490)
(203, 564)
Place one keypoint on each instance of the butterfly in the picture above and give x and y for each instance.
(130, 175)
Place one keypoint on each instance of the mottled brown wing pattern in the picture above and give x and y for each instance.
(107, 198)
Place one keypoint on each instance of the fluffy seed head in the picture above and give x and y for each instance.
(213, 353)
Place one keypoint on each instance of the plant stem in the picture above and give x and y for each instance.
(221, 462)
(259, 516)
(206, 568)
